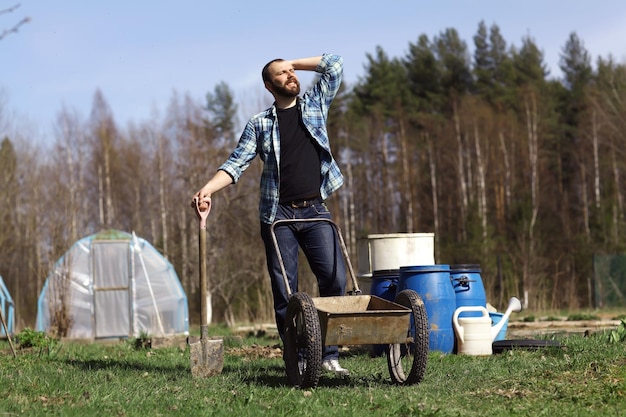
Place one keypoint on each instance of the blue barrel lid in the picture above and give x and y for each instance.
(385, 273)
(425, 268)
(465, 268)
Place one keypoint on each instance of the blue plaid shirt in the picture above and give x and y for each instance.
(261, 136)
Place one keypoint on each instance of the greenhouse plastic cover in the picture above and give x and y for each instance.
(8, 309)
(113, 285)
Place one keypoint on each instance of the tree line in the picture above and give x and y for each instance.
(510, 168)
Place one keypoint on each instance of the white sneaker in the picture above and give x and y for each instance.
(332, 365)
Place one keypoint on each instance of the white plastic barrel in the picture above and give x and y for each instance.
(382, 252)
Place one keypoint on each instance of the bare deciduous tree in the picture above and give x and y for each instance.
(15, 28)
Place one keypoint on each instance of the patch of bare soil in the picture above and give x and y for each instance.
(515, 330)
(518, 329)
(256, 351)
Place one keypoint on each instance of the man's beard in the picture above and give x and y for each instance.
(284, 91)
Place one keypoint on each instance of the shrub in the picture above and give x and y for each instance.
(29, 338)
(619, 334)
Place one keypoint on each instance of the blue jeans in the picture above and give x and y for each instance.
(320, 245)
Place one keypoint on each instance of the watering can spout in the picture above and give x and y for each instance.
(514, 306)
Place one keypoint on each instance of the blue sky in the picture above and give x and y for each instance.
(139, 52)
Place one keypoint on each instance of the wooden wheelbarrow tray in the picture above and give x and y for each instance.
(361, 320)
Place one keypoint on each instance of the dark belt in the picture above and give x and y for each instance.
(304, 203)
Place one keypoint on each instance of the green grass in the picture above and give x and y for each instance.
(582, 317)
(586, 377)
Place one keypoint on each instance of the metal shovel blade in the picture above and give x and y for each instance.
(207, 355)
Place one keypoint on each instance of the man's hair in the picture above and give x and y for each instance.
(266, 69)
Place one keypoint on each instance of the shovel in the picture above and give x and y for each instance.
(207, 355)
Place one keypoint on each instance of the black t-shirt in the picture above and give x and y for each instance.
(299, 158)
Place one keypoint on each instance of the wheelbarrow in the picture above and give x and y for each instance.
(354, 319)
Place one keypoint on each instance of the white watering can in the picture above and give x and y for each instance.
(475, 335)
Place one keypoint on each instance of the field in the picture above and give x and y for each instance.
(586, 376)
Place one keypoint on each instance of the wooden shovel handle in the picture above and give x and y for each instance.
(202, 214)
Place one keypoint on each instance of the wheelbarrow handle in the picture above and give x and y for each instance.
(355, 285)
(202, 214)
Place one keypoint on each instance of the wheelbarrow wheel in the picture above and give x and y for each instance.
(303, 342)
(410, 356)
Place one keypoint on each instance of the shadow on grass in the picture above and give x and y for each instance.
(261, 372)
(263, 375)
(274, 376)
(113, 365)
(254, 374)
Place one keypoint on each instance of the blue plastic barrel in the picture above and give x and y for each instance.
(468, 287)
(432, 284)
(384, 284)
